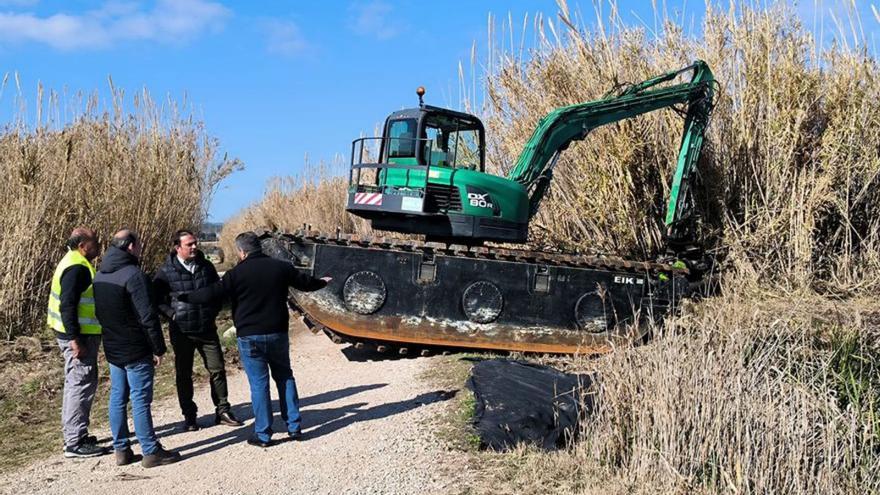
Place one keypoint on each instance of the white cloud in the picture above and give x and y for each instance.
(374, 19)
(169, 21)
(285, 38)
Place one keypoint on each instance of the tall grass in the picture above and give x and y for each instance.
(772, 396)
(150, 167)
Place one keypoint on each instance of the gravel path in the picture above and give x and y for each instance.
(367, 430)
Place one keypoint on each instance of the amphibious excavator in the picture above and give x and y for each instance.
(427, 175)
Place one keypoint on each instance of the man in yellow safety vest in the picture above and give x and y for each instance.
(71, 314)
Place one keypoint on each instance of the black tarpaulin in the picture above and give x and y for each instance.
(522, 402)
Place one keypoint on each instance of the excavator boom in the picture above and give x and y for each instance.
(556, 131)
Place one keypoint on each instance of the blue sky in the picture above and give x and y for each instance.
(274, 81)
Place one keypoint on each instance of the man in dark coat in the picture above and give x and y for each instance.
(133, 345)
(192, 327)
(258, 288)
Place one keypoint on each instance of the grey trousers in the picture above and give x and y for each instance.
(80, 384)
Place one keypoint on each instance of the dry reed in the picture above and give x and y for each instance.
(777, 395)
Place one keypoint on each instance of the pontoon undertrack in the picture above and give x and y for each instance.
(409, 296)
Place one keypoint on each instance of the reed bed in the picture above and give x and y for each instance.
(133, 162)
(774, 395)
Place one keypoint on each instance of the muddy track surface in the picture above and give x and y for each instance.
(367, 425)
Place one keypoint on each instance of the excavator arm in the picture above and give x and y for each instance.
(556, 131)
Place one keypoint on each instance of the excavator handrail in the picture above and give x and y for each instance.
(354, 183)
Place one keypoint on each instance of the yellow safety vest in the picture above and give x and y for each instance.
(88, 324)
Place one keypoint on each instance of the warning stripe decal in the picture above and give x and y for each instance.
(372, 199)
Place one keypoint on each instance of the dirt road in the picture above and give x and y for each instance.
(367, 428)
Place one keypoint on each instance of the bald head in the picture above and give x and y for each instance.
(83, 232)
(127, 240)
(84, 240)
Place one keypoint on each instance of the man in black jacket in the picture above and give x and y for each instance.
(133, 344)
(192, 327)
(258, 289)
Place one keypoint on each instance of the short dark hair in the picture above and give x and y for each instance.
(248, 242)
(123, 239)
(180, 234)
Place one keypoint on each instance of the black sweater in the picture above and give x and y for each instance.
(74, 281)
(123, 304)
(258, 290)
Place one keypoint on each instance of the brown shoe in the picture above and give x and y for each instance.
(126, 457)
(228, 419)
(160, 457)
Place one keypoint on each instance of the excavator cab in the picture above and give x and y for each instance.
(432, 136)
(428, 177)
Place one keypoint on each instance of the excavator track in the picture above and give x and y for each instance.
(408, 296)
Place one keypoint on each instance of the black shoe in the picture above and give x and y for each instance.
(84, 450)
(227, 418)
(190, 423)
(295, 435)
(90, 439)
(160, 457)
(256, 442)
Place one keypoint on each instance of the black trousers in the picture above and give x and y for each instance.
(208, 346)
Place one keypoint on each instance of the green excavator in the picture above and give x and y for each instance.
(427, 175)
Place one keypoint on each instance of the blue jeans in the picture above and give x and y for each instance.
(134, 381)
(260, 355)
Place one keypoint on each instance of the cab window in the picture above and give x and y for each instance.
(401, 141)
(451, 143)
(464, 148)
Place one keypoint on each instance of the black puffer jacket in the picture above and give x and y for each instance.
(173, 279)
(124, 306)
